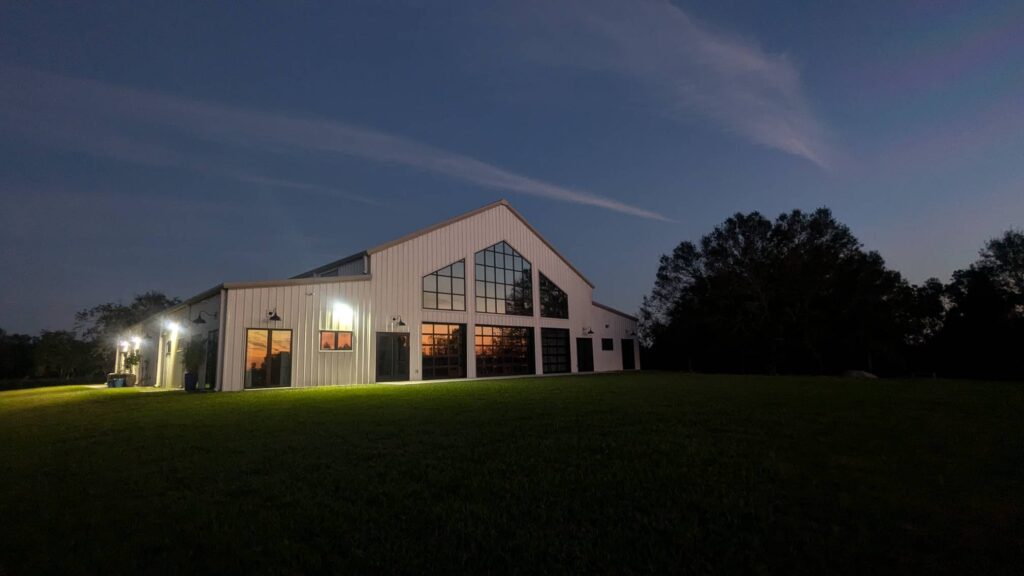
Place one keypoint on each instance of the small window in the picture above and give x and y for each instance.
(335, 340)
(607, 344)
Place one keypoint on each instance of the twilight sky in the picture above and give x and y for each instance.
(155, 146)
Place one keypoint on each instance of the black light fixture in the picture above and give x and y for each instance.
(397, 321)
(199, 319)
(272, 316)
(587, 331)
(400, 321)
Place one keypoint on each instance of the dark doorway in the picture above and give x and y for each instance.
(628, 359)
(392, 356)
(584, 355)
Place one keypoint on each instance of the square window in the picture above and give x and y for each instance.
(480, 272)
(458, 302)
(459, 269)
(430, 283)
(444, 301)
(481, 288)
(444, 284)
(481, 304)
(491, 306)
(430, 300)
(458, 286)
(490, 275)
(489, 258)
(479, 258)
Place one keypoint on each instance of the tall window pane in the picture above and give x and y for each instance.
(504, 281)
(555, 350)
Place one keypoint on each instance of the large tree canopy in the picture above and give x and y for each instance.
(799, 294)
(102, 325)
(982, 331)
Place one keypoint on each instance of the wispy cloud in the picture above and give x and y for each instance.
(688, 67)
(132, 125)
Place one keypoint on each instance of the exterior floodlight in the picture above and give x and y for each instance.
(272, 316)
(124, 345)
(137, 341)
(173, 327)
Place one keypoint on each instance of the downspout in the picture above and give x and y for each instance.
(223, 321)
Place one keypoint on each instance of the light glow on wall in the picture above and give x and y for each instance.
(341, 317)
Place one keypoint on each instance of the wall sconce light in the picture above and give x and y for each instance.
(397, 321)
(272, 315)
(199, 318)
(587, 331)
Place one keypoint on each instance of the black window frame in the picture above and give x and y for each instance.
(270, 347)
(554, 302)
(447, 356)
(556, 351)
(336, 333)
(519, 340)
(430, 287)
(494, 292)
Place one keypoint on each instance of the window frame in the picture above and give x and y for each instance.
(542, 279)
(480, 335)
(270, 348)
(351, 337)
(451, 293)
(462, 354)
(491, 279)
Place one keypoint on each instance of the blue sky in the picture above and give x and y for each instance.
(171, 147)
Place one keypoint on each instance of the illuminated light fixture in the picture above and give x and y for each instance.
(199, 317)
(173, 327)
(124, 345)
(137, 341)
(272, 316)
(342, 316)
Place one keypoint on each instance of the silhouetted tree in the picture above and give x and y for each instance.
(102, 325)
(799, 294)
(60, 354)
(983, 330)
(16, 356)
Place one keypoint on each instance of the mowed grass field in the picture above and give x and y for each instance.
(625, 473)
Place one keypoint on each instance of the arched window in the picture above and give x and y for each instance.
(504, 281)
(445, 289)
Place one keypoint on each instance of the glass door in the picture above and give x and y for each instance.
(268, 358)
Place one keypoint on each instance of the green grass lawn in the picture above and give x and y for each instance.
(598, 474)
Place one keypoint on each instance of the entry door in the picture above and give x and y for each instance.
(628, 359)
(392, 356)
(584, 355)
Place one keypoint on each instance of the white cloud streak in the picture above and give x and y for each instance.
(132, 125)
(688, 67)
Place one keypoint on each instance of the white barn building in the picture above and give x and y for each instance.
(480, 295)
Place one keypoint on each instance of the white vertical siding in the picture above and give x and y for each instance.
(305, 309)
(393, 289)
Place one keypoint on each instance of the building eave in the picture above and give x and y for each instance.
(614, 311)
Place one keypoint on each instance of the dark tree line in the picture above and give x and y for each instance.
(801, 295)
(85, 353)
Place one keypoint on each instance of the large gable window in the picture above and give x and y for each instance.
(554, 303)
(446, 288)
(504, 281)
